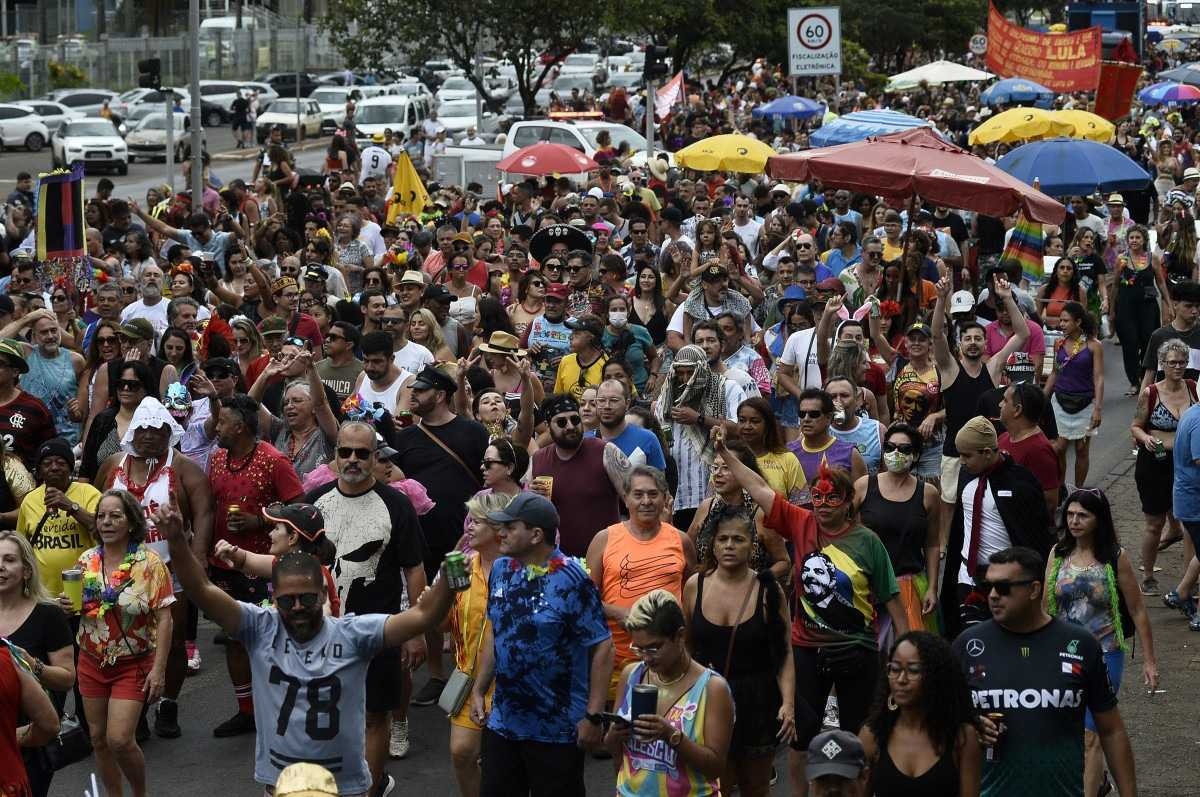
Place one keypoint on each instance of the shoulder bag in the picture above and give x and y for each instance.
(475, 477)
(458, 686)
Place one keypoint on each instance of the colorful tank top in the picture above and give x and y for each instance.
(654, 769)
(1082, 597)
(836, 454)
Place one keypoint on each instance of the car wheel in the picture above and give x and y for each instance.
(122, 169)
(213, 119)
(34, 142)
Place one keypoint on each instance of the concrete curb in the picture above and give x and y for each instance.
(250, 153)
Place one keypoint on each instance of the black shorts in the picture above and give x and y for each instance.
(385, 681)
(524, 768)
(1154, 479)
(239, 586)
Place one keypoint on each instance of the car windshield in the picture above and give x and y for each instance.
(458, 108)
(620, 134)
(329, 96)
(625, 79)
(568, 82)
(130, 95)
(89, 129)
(158, 121)
(405, 89)
(458, 84)
(283, 106)
(579, 60)
(385, 114)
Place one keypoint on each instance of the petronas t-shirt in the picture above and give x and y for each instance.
(1041, 682)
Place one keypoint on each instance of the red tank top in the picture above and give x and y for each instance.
(582, 493)
(13, 780)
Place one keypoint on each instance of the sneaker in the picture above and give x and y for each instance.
(1185, 606)
(832, 719)
(774, 776)
(387, 786)
(1194, 623)
(143, 729)
(1150, 586)
(236, 725)
(429, 693)
(398, 745)
(166, 719)
(193, 658)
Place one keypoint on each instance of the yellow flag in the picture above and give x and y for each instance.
(408, 192)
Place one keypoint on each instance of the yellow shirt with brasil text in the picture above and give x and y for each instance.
(60, 540)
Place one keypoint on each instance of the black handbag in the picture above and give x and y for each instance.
(73, 744)
(1073, 403)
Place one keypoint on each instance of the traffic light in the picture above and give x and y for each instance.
(656, 62)
(150, 74)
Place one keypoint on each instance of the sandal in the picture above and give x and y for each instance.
(1165, 544)
(1185, 606)
(1131, 392)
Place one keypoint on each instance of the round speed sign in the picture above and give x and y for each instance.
(978, 44)
(814, 31)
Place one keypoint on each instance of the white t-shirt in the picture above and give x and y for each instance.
(432, 127)
(372, 237)
(413, 357)
(676, 322)
(802, 346)
(472, 142)
(993, 536)
(748, 232)
(156, 314)
(375, 162)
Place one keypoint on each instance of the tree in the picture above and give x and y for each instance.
(520, 30)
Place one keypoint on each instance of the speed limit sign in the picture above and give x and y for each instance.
(814, 41)
(978, 44)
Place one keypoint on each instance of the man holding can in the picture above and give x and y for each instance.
(550, 653)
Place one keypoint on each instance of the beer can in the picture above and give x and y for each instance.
(992, 751)
(457, 577)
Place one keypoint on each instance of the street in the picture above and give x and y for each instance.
(1161, 726)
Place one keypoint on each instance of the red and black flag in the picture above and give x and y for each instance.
(60, 226)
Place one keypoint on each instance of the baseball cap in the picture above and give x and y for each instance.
(920, 327)
(837, 753)
(558, 291)
(224, 365)
(587, 323)
(305, 519)
(56, 447)
(273, 325)
(714, 273)
(305, 780)
(138, 329)
(431, 377)
(529, 508)
(315, 273)
(15, 357)
(437, 293)
(962, 302)
(346, 186)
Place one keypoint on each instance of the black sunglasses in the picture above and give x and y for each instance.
(811, 413)
(345, 452)
(129, 289)
(288, 602)
(335, 337)
(1003, 588)
(394, 322)
(570, 420)
(903, 448)
(130, 385)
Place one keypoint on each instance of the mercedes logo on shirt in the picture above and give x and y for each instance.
(974, 647)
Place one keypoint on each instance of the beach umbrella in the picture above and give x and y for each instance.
(731, 152)
(1017, 90)
(1072, 166)
(861, 124)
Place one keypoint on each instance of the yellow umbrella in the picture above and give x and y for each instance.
(732, 152)
(1171, 45)
(1018, 124)
(1087, 125)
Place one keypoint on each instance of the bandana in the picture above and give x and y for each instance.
(557, 404)
(150, 414)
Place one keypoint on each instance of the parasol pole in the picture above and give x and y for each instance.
(912, 210)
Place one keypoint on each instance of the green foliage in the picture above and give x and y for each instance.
(66, 76)
(11, 86)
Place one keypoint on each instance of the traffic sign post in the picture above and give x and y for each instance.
(978, 44)
(814, 41)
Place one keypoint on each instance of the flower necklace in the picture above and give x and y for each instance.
(99, 596)
(555, 563)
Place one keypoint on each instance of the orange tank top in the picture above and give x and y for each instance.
(633, 568)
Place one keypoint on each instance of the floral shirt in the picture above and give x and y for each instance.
(138, 588)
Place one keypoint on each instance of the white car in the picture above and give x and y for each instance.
(458, 115)
(289, 113)
(52, 113)
(456, 88)
(92, 140)
(577, 133)
(21, 127)
(390, 112)
(405, 88)
(224, 92)
(148, 139)
(588, 64)
(88, 101)
(332, 100)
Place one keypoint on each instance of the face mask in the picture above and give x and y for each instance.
(618, 318)
(897, 462)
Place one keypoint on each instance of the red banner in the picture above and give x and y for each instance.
(1118, 81)
(1060, 61)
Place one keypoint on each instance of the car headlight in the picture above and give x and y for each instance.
(75, 148)
(119, 147)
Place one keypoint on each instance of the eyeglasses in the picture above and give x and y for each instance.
(132, 385)
(393, 321)
(903, 448)
(570, 420)
(912, 670)
(345, 452)
(335, 337)
(813, 414)
(827, 499)
(650, 651)
(1175, 364)
(288, 602)
(289, 295)
(487, 463)
(1003, 588)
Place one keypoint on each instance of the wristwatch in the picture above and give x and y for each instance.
(674, 740)
(74, 508)
(595, 719)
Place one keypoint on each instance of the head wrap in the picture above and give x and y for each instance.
(557, 403)
(150, 414)
(704, 392)
(976, 435)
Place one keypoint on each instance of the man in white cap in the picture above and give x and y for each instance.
(150, 468)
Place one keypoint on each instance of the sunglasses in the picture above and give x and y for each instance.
(345, 452)
(131, 385)
(903, 448)
(293, 340)
(1003, 588)
(393, 322)
(813, 414)
(111, 340)
(487, 463)
(58, 298)
(129, 289)
(873, 255)
(827, 499)
(570, 420)
(288, 602)
(335, 337)
(461, 267)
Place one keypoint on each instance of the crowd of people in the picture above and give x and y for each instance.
(735, 465)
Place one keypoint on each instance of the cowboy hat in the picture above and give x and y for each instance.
(504, 343)
(543, 239)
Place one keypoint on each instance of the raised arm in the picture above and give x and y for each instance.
(430, 609)
(210, 599)
(157, 225)
(942, 357)
(825, 328)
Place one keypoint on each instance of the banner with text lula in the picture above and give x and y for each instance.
(1060, 61)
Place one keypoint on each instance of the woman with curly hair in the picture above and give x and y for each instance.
(919, 737)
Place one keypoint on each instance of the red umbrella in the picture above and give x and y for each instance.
(917, 162)
(540, 160)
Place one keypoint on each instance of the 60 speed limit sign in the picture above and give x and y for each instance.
(814, 41)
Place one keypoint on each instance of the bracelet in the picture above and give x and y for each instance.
(38, 667)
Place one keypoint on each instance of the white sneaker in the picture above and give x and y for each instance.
(398, 745)
(193, 662)
(387, 786)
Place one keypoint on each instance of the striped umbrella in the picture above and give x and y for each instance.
(1169, 92)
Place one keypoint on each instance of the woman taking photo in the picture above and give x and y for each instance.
(1075, 384)
(739, 628)
(38, 633)
(905, 513)
(124, 637)
(1137, 312)
(920, 738)
(468, 623)
(1159, 408)
(1063, 287)
(104, 436)
(531, 293)
(650, 308)
(694, 714)
(759, 430)
(1090, 582)
(769, 551)
(833, 639)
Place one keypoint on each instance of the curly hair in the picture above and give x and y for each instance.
(132, 511)
(943, 701)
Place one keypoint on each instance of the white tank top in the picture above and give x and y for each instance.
(154, 493)
(386, 398)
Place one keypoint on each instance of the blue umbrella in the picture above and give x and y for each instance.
(1071, 166)
(860, 124)
(1169, 92)
(1017, 90)
(789, 107)
(1187, 73)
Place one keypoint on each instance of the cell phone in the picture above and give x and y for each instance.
(614, 719)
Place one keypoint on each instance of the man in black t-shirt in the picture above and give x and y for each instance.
(1039, 674)
(1185, 298)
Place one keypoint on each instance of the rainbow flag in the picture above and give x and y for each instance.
(1025, 246)
(60, 226)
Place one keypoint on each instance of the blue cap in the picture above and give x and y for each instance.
(531, 509)
(793, 293)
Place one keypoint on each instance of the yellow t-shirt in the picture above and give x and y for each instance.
(568, 380)
(60, 541)
(783, 473)
(892, 251)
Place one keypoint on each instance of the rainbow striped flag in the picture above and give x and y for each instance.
(60, 226)
(1025, 246)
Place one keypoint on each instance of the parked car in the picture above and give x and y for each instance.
(332, 100)
(577, 133)
(434, 72)
(456, 88)
(457, 115)
(52, 113)
(391, 112)
(88, 101)
(21, 127)
(92, 140)
(284, 111)
(224, 92)
(285, 84)
(148, 139)
(213, 114)
(589, 64)
(406, 88)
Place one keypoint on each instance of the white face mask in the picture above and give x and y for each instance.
(618, 318)
(897, 462)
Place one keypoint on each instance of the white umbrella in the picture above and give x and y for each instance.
(937, 72)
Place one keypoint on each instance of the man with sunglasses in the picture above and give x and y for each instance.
(340, 368)
(1040, 674)
(862, 278)
(816, 447)
(999, 504)
(282, 300)
(548, 336)
(377, 535)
